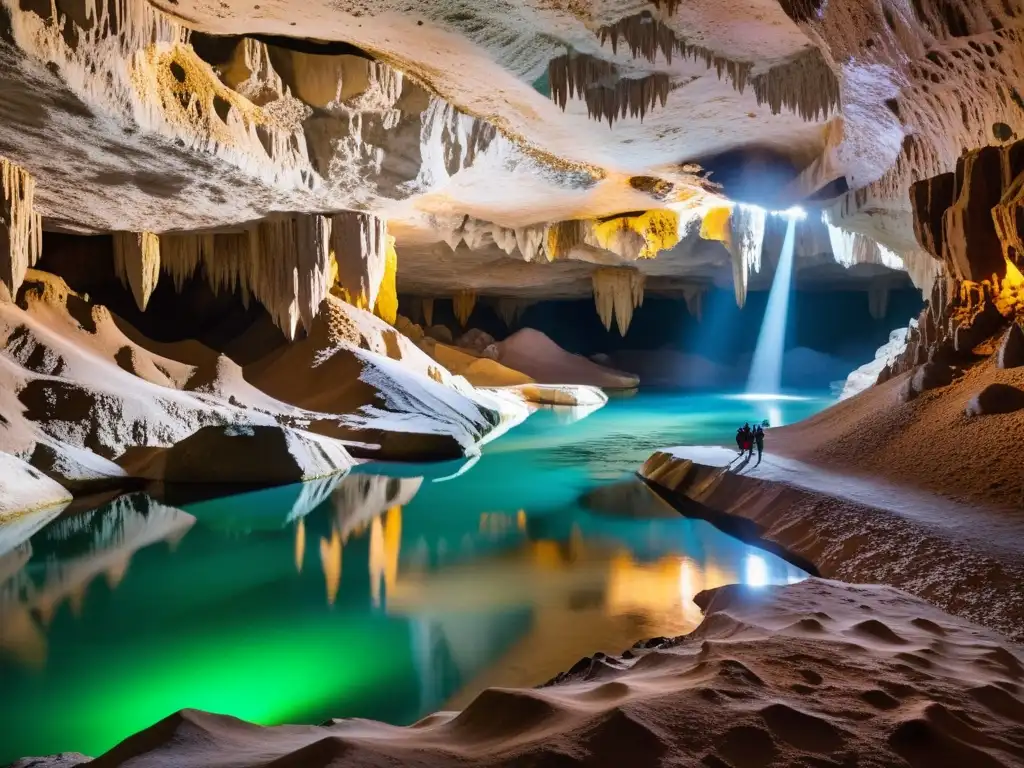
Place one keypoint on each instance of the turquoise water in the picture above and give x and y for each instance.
(387, 594)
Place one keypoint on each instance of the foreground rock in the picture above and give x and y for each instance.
(25, 489)
(256, 455)
(797, 675)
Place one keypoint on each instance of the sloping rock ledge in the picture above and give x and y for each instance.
(858, 530)
(812, 673)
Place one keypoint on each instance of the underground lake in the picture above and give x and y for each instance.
(389, 593)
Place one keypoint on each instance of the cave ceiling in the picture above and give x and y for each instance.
(498, 139)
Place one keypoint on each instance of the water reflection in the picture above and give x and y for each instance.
(425, 592)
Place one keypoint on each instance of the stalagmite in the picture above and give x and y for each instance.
(21, 228)
(313, 264)
(562, 237)
(137, 263)
(359, 243)
(878, 301)
(617, 292)
(805, 85)
(387, 297)
(428, 311)
(694, 297)
(462, 303)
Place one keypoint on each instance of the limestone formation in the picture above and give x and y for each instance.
(462, 304)
(21, 229)
(617, 292)
(694, 297)
(510, 310)
(646, 36)
(608, 96)
(805, 85)
(878, 301)
(137, 263)
(359, 244)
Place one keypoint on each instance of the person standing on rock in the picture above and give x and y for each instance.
(759, 439)
(739, 439)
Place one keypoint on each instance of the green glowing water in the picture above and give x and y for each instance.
(386, 594)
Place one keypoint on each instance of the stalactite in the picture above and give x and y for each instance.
(747, 224)
(228, 264)
(510, 310)
(313, 265)
(878, 301)
(387, 298)
(462, 303)
(181, 255)
(608, 97)
(617, 292)
(274, 275)
(849, 248)
(449, 142)
(137, 263)
(646, 36)
(359, 242)
(428, 311)
(21, 228)
(805, 85)
(562, 237)
(694, 297)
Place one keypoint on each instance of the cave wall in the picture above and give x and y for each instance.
(832, 322)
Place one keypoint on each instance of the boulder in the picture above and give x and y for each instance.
(256, 455)
(1011, 349)
(925, 377)
(475, 339)
(996, 398)
(977, 327)
(440, 333)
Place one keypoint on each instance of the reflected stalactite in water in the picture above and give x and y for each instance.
(62, 559)
(385, 548)
(330, 561)
(498, 524)
(300, 544)
(359, 499)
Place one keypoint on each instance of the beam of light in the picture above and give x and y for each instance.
(755, 397)
(756, 571)
(766, 367)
